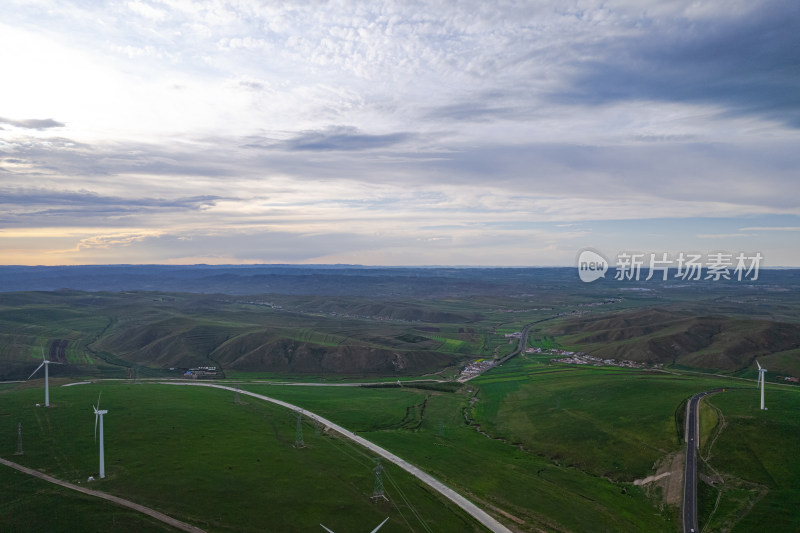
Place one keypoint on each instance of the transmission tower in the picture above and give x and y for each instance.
(298, 435)
(19, 438)
(136, 376)
(378, 492)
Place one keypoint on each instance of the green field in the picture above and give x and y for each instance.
(541, 445)
(755, 455)
(197, 456)
(535, 491)
(557, 449)
(31, 504)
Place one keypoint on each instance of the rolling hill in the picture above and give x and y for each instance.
(670, 337)
(109, 333)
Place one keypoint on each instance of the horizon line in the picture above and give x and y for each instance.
(332, 265)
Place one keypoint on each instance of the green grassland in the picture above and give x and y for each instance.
(31, 504)
(541, 445)
(556, 449)
(560, 445)
(755, 454)
(607, 421)
(196, 455)
(538, 493)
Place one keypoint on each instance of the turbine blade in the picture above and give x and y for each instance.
(380, 525)
(98, 400)
(326, 529)
(42, 348)
(95, 424)
(35, 371)
(759, 366)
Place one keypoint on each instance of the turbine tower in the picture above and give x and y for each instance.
(45, 364)
(761, 376)
(98, 414)
(373, 531)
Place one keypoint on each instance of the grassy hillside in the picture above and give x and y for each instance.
(104, 334)
(25, 497)
(669, 337)
(541, 446)
(196, 455)
(111, 334)
(622, 423)
(533, 492)
(753, 464)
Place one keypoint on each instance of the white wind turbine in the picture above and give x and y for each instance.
(45, 364)
(98, 414)
(373, 531)
(761, 376)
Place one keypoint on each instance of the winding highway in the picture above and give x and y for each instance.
(692, 438)
(473, 510)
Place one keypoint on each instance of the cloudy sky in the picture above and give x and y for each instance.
(397, 133)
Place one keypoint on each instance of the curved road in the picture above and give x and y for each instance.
(690, 473)
(473, 510)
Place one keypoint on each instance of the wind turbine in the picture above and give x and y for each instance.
(45, 364)
(761, 376)
(373, 531)
(98, 414)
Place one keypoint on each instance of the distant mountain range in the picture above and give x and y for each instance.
(338, 280)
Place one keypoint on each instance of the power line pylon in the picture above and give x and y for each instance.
(378, 492)
(19, 438)
(298, 435)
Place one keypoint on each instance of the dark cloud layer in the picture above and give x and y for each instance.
(33, 123)
(29, 205)
(748, 65)
(344, 139)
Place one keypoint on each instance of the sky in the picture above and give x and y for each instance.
(397, 133)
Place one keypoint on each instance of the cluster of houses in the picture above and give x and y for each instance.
(475, 368)
(525, 310)
(580, 358)
(201, 371)
(604, 302)
(264, 303)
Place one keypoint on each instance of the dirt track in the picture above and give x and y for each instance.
(119, 501)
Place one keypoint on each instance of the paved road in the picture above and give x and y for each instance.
(476, 512)
(97, 494)
(690, 473)
(521, 345)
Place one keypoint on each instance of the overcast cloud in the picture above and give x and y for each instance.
(473, 133)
